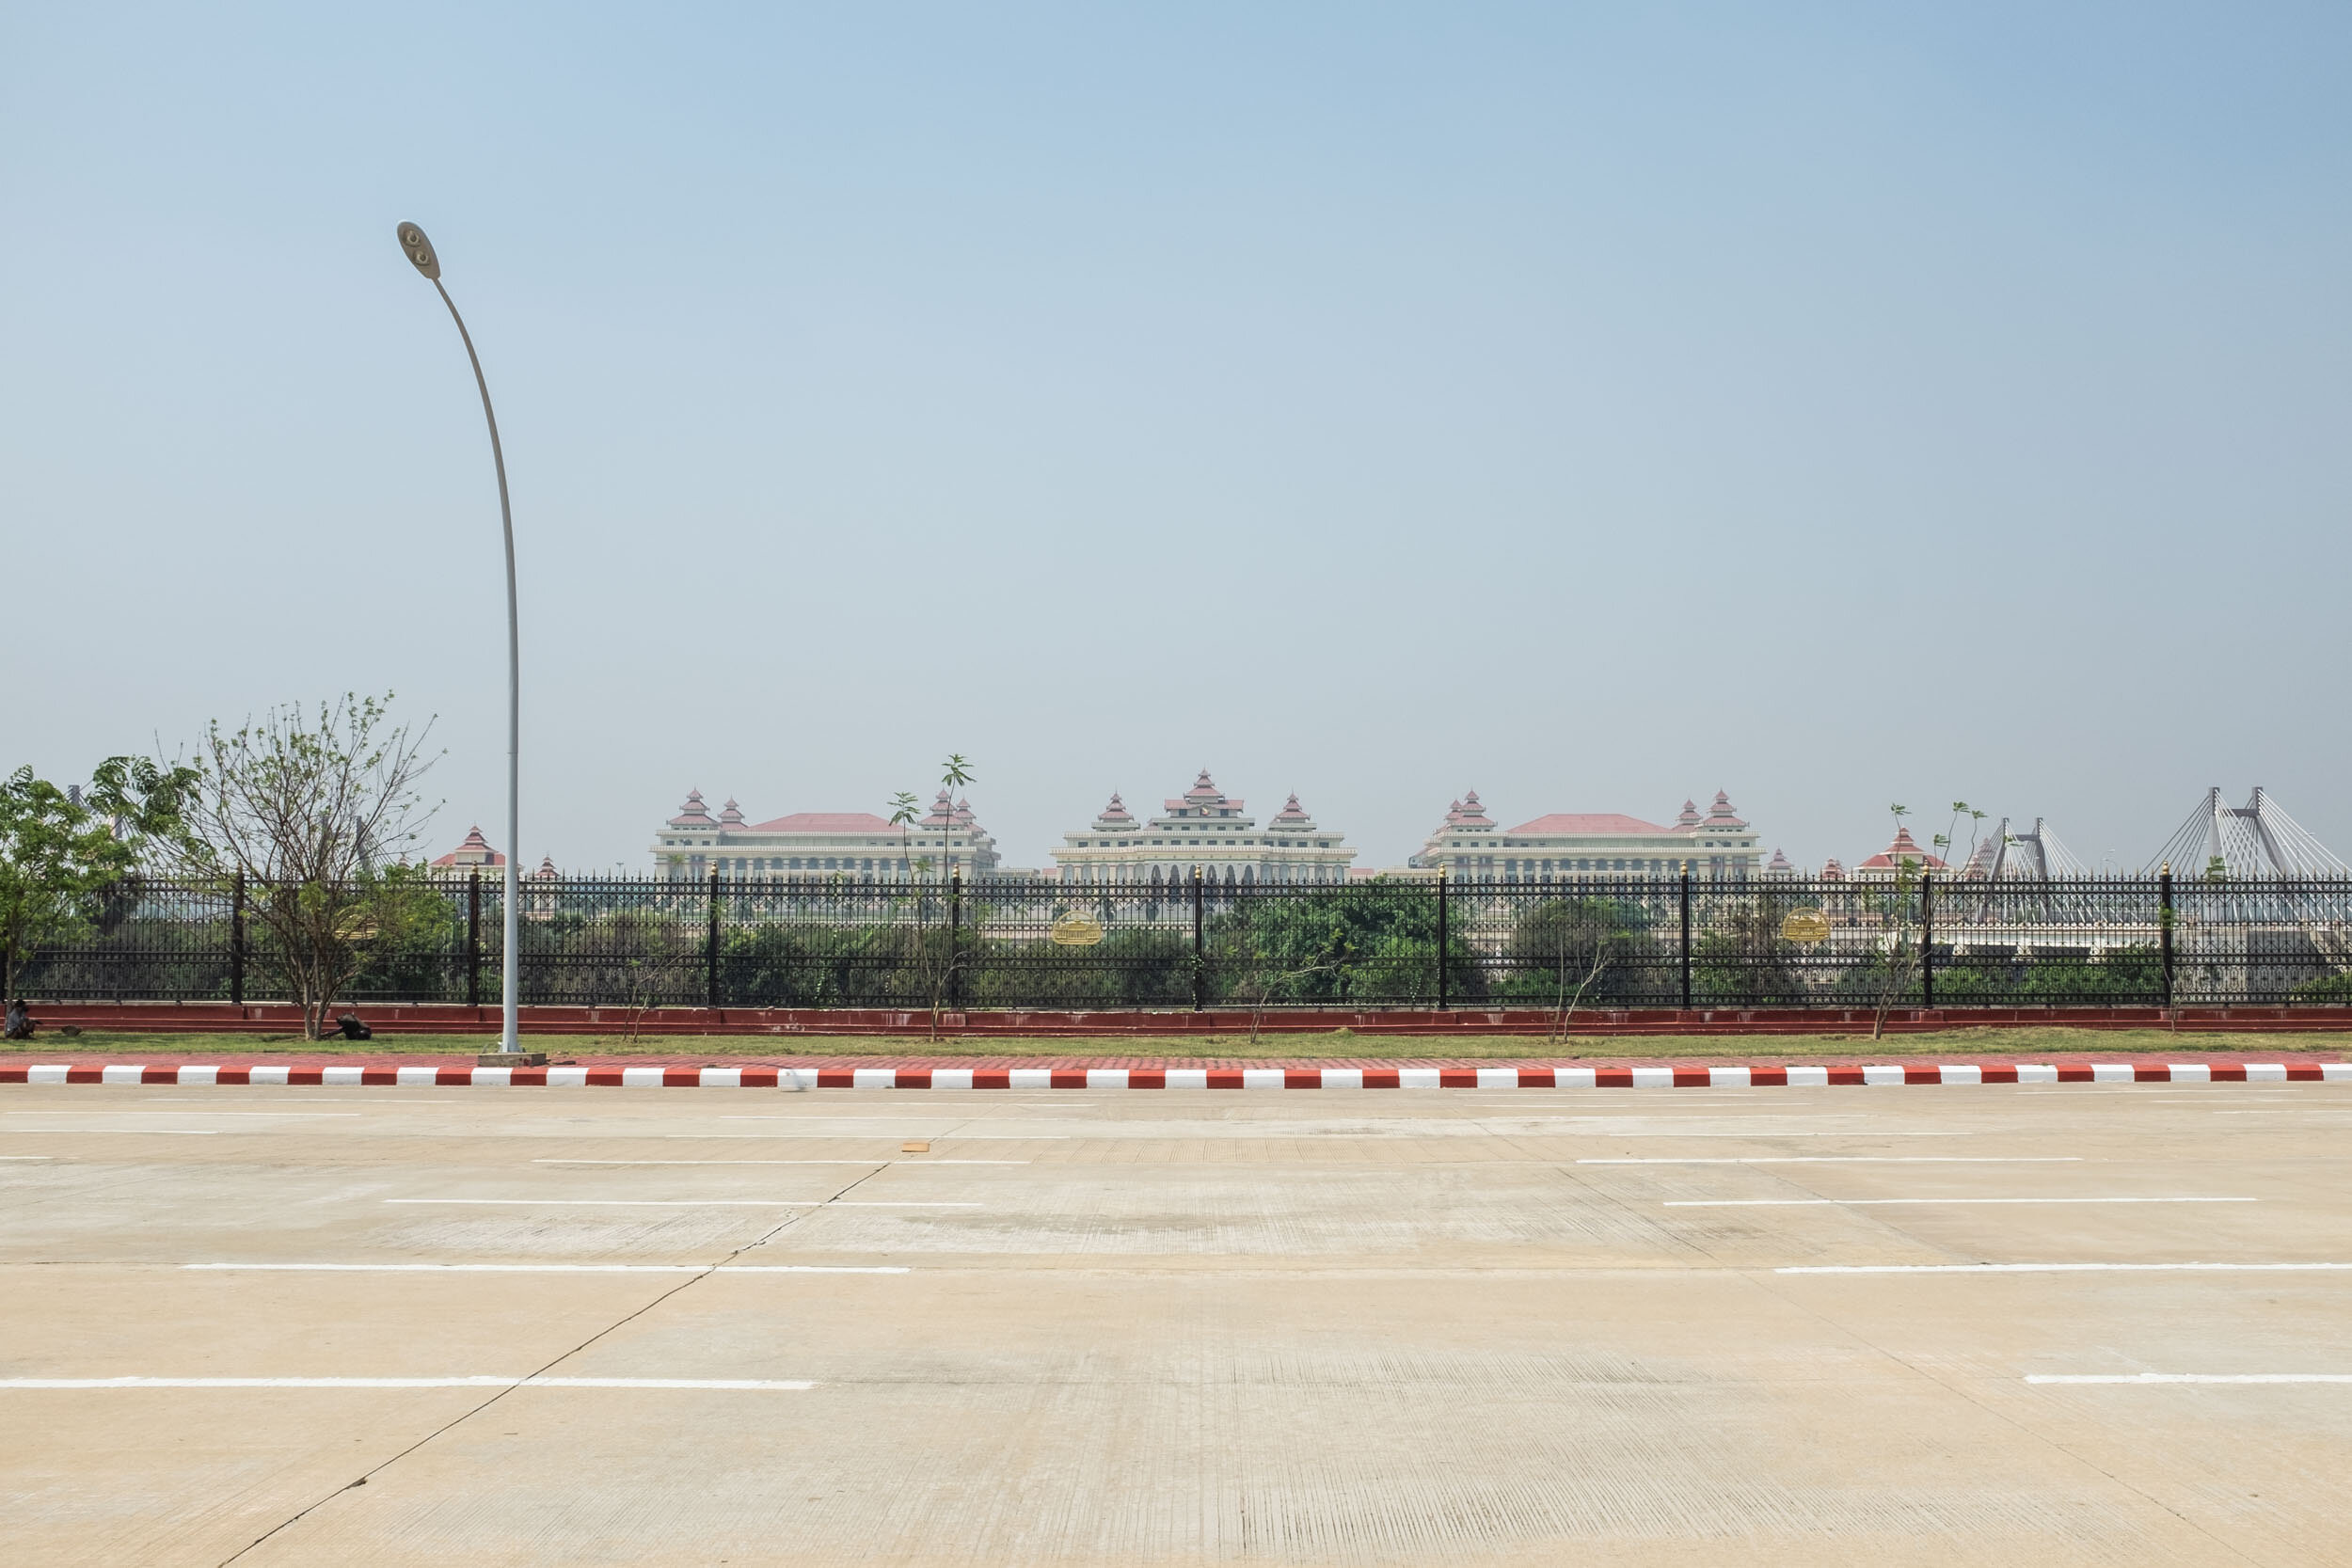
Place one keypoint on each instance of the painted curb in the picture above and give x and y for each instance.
(1189, 1078)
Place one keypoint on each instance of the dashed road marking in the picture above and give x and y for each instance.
(875, 1162)
(1850, 1160)
(735, 1384)
(684, 1202)
(1858, 1202)
(2146, 1378)
(2061, 1268)
(543, 1268)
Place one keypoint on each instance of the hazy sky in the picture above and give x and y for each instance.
(1592, 405)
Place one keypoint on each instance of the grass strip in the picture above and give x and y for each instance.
(1948, 1044)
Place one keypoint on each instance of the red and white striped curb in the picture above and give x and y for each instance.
(1194, 1078)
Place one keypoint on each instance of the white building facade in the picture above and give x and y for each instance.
(1571, 847)
(1203, 830)
(855, 844)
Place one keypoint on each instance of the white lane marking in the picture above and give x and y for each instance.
(1856, 1202)
(1770, 1133)
(741, 1384)
(838, 1137)
(1850, 1160)
(2194, 1377)
(744, 1161)
(27, 1156)
(689, 1202)
(1657, 1116)
(2060, 1268)
(542, 1268)
(2296, 1111)
(117, 1112)
(127, 1131)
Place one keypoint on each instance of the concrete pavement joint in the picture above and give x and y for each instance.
(616, 1324)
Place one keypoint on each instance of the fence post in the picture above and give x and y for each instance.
(1199, 962)
(2164, 927)
(1686, 936)
(236, 943)
(474, 938)
(1445, 991)
(954, 936)
(711, 948)
(1926, 940)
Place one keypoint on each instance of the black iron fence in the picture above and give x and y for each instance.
(1387, 943)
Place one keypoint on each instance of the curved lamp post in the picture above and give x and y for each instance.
(420, 251)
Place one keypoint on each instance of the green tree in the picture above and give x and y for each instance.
(63, 858)
(1372, 941)
(1742, 958)
(1898, 911)
(317, 815)
(954, 774)
(1571, 950)
(936, 959)
(905, 811)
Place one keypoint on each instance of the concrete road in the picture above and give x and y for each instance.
(461, 1326)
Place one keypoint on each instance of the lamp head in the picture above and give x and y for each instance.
(420, 250)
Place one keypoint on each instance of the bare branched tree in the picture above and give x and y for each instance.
(1563, 1012)
(1902, 953)
(318, 817)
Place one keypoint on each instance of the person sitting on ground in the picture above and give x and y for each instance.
(353, 1029)
(19, 1025)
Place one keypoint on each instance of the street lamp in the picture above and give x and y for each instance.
(420, 251)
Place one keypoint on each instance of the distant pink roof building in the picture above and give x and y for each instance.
(857, 847)
(1207, 831)
(825, 822)
(1588, 822)
(1573, 847)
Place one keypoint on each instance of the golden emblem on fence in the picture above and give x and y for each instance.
(1076, 931)
(1806, 926)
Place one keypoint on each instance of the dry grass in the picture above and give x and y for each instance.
(54, 1044)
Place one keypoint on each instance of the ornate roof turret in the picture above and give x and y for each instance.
(732, 816)
(1471, 814)
(943, 813)
(1292, 815)
(476, 851)
(1778, 866)
(1902, 847)
(1719, 816)
(1689, 818)
(1203, 800)
(546, 872)
(693, 814)
(963, 813)
(1115, 817)
(1833, 871)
